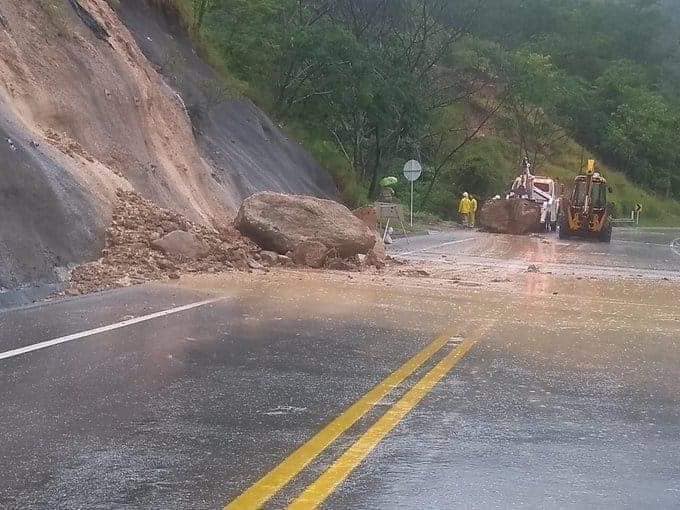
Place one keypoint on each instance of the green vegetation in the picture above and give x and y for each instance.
(369, 84)
(605, 71)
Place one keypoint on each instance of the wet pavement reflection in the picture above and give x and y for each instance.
(570, 399)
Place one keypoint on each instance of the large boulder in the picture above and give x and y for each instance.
(279, 223)
(311, 254)
(515, 216)
(182, 245)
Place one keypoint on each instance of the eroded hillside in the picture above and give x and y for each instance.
(83, 113)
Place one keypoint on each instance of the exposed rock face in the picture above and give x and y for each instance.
(247, 150)
(40, 229)
(279, 223)
(516, 216)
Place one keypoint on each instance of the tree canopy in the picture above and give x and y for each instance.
(378, 82)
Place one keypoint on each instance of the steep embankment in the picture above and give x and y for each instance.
(83, 112)
(48, 218)
(248, 152)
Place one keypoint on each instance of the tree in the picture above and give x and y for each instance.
(200, 7)
(534, 92)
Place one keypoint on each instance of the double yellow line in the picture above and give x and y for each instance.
(269, 485)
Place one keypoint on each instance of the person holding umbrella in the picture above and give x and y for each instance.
(387, 193)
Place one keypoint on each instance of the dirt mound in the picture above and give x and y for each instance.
(145, 243)
(141, 245)
(516, 216)
(280, 223)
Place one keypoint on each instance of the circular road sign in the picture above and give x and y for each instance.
(412, 170)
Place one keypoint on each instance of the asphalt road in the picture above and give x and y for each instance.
(652, 252)
(185, 396)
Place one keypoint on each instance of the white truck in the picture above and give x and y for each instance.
(542, 190)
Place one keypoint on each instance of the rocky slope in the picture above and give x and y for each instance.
(247, 151)
(83, 113)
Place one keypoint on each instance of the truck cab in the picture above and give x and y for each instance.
(542, 190)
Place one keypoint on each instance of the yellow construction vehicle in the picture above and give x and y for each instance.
(586, 213)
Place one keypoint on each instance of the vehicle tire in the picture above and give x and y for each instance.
(562, 227)
(563, 230)
(606, 235)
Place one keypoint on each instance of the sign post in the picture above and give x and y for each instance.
(412, 171)
(638, 211)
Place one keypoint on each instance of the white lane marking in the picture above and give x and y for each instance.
(437, 246)
(675, 246)
(104, 329)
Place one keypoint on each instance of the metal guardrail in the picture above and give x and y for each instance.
(623, 221)
(634, 219)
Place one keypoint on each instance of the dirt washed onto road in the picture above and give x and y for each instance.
(482, 257)
(135, 254)
(421, 295)
(146, 243)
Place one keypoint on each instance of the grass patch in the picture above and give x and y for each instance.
(352, 190)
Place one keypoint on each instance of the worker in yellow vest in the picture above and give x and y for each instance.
(473, 211)
(464, 208)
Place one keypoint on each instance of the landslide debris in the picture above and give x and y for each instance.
(514, 216)
(280, 223)
(84, 112)
(146, 242)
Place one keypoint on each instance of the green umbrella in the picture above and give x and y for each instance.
(389, 181)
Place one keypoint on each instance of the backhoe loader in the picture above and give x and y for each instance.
(586, 212)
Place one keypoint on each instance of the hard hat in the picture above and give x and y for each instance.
(466, 194)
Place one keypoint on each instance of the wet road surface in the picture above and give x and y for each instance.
(651, 252)
(569, 397)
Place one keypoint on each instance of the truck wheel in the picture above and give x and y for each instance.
(563, 231)
(606, 236)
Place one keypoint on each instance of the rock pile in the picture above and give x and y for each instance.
(146, 242)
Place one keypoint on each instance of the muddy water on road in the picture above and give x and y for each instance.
(569, 399)
(636, 254)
